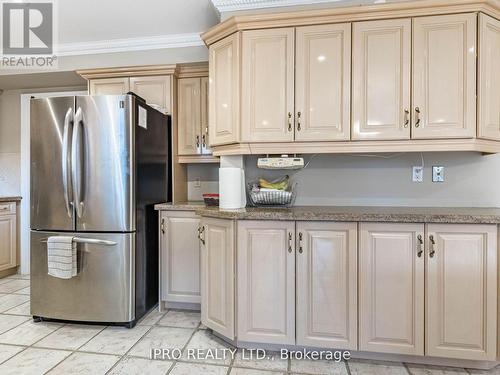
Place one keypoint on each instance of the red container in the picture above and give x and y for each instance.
(211, 199)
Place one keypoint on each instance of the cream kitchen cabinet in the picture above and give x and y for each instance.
(281, 82)
(217, 275)
(461, 300)
(444, 76)
(179, 258)
(451, 269)
(489, 78)
(381, 63)
(266, 281)
(224, 91)
(326, 307)
(155, 90)
(109, 86)
(391, 288)
(308, 104)
(192, 112)
(322, 82)
(267, 74)
(8, 236)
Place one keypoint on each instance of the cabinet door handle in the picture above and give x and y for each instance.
(197, 141)
(200, 232)
(300, 243)
(298, 120)
(417, 117)
(162, 226)
(432, 244)
(289, 242)
(420, 243)
(289, 121)
(407, 118)
(204, 141)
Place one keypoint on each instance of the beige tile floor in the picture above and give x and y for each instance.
(53, 348)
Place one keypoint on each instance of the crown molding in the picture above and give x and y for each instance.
(223, 6)
(388, 10)
(129, 44)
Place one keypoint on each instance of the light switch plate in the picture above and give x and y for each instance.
(197, 183)
(418, 174)
(437, 174)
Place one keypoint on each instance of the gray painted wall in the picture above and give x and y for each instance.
(471, 180)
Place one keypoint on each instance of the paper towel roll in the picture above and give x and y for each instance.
(232, 188)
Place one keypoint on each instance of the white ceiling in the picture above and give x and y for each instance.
(97, 20)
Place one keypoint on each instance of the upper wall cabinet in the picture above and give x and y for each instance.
(155, 90)
(381, 79)
(267, 85)
(444, 76)
(398, 77)
(322, 82)
(489, 78)
(224, 76)
(109, 86)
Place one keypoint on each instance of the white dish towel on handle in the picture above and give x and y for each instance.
(61, 256)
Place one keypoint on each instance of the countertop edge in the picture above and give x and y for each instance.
(11, 199)
(350, 217)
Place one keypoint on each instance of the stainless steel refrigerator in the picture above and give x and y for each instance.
(98, 166)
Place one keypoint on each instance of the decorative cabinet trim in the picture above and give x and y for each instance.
(348, 14)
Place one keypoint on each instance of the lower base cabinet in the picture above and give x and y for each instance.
(461, 299)
(317, 306)
(418, 289)
(266, 282)
(217, 275)
(327, 285)
(180, 257)
(8, 237)
(452, 271)
(391, 288)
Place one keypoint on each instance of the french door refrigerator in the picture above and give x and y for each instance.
(98, 166)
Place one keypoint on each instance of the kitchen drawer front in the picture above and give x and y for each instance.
(7, 208)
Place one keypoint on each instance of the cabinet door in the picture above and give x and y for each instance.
(8, 242)
(266, 281)
(217, 276)
(327, 285)
(155, 90)
(322, 82)
(204, 117)
(489, 78)
(381, 79)
(267, 102)
(444, 76)
(180, 257)
(224, 82)
(461, 313)
(391, 288)
(109, 86)
(189, 116)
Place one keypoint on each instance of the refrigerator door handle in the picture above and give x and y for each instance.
(76, 162)
(65, 160)
(92, 241)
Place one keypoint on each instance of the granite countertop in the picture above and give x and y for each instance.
(463, 215)
(10, 199)
(182, 206)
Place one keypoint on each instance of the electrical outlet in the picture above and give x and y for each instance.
(418, 174)
(437, 174)
(197, 183)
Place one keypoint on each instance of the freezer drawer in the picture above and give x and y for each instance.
(103, 290)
